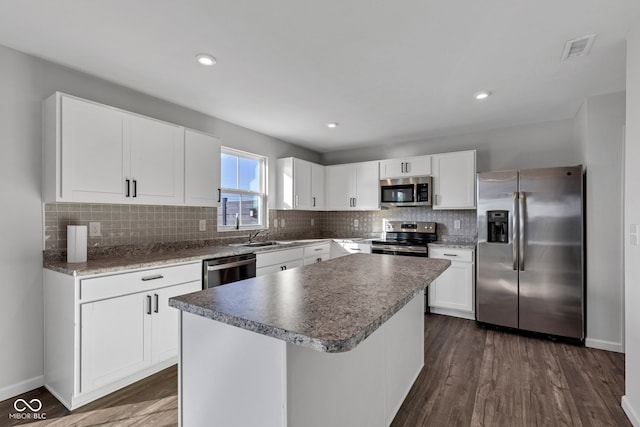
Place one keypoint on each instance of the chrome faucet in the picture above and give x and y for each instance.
(253, 235)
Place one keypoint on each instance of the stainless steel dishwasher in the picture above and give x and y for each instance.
(220, 271)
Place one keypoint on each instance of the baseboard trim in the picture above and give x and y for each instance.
(631, 414)
(604, 345)
(453, 313)
(21, 387)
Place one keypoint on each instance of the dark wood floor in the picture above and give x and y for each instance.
(480, 377)
(472, 377)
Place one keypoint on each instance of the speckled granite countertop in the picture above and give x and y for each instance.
(110, 264)
(453, 244)
(331, 306)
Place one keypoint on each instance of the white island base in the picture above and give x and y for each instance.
(233, 377)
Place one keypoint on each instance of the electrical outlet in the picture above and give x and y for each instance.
(202, 226)
(634, 234)
(356, 223)
(95, 229)
(282, 223)
(313, 222)
(275, 222)
(456, 224)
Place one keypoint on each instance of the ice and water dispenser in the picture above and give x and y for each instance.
(498, 226)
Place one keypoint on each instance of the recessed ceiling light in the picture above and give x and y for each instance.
(205, 59)
(332, 125)
(482, 95)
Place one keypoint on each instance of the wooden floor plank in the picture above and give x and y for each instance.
(472, 377)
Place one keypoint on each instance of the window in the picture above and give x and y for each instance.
(243, 198)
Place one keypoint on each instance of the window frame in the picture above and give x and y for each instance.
(262, 195)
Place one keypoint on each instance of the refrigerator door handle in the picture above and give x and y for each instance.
(522, 214)
(514, 232)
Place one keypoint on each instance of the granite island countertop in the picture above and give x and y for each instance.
(330, 306)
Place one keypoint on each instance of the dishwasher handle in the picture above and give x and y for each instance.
(229, 265)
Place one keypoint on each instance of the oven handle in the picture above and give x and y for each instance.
(229, 265)
(406, 249)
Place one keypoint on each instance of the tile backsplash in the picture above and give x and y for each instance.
(140, 225)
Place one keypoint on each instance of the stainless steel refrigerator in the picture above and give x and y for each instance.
(530, 273)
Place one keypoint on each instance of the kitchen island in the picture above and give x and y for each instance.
(336, 343)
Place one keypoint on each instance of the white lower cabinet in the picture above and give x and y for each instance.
(453, 292)
(274, 261)
(105, 332)
(345, 247)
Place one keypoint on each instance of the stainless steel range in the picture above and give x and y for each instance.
(409, 238)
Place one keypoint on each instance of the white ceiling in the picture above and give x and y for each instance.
(387, 71)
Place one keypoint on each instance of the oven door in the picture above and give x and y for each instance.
(394, 195)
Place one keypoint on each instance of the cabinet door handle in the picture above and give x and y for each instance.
(219, 195)
(128, 181)
(135, 188)
(402, 167)
(154, 277)
(157, 309)
(355, 202)
(406, 167)
(314, 202)
(149, 305)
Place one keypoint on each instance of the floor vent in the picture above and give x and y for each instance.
(578, 47)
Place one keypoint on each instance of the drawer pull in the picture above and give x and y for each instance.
(450, 254)
(318, 249)
(154, 277)
(356, 249)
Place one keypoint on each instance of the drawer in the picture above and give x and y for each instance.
(313, 259)
(278, 257)
(316, 250)
(462, 255)
(357, 248)
(139, 281)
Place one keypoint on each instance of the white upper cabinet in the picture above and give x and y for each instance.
(84, 152)
(97, 153)
(406, 167)
(454, 180)
(317, 187)
(353, 186)
(156, 158)
(300, 184)
(202, 169)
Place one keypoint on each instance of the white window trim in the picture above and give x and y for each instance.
(263, 214)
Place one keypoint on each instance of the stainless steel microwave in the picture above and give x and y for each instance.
(415, 191)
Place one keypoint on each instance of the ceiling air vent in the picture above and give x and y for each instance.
(578, 47)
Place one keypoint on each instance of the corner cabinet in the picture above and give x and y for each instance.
(105, 332)
(353, 186)
(453, 292)
(300, 185)
(454, 180)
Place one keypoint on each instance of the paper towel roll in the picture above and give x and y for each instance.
(76, 243)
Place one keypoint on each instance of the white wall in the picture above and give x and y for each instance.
(545, 144)
(599, 128)
(631, 399)
(24, 82)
